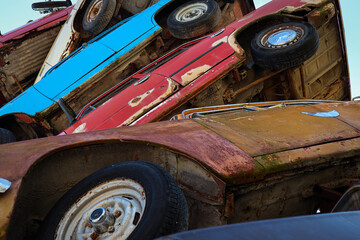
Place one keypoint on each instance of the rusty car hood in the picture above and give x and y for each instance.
(281, 129)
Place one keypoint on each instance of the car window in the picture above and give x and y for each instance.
(166, 59)
(146, 70)
(102, 100)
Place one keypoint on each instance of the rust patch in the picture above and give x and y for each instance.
(193, 74)
(229, 205)
(7, 205)
(233, 43)
(137, 100)
(322, 15)
(291, 9)
(172, 87)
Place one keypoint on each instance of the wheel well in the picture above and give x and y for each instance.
(48, 179)
(78, 18)
(245, 35)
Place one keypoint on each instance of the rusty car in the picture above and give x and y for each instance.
(250, 162)
(234, 75)
(112, 46)
(87, 19)
(126, 40)
(23, 51)
(163, 86)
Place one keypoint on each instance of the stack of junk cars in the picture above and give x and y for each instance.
(244, 114)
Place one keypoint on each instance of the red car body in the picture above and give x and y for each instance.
(23, 50)
(36, 25)
(154, 92)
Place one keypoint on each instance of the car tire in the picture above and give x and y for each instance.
(157, 205)
(41, 6)
(193, 19)
(6, 136)
(98, 15)
(269, 52)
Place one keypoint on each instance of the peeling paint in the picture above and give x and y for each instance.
(137, 100)
(172, 86)
(224, 40)
(193, 74)
(80, 128)
(233, 43)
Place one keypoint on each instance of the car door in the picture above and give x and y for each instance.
(124, 104)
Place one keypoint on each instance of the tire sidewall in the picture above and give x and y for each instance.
(299, 51)
(93, 27)
(149, 177)
(201, 25)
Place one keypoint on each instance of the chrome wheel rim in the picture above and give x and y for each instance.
(282, 37)
(191, 12)
(123, 202)
(94, 11)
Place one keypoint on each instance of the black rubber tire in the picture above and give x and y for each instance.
(6, 136)
(287, 56)
(39, 6)
(102, 19)
(198, 26)
(165, 211)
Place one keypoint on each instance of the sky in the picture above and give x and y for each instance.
(16, 13)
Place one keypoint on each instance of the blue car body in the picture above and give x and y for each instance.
(86, 61)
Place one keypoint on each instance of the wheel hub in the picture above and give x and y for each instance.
(282, 37)
(191, 12)
(101, 220)
(94, 11)
(112, 209)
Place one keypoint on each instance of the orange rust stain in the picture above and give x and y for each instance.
(312, 2)
(233, 43)
(193, 74)
(6, 207)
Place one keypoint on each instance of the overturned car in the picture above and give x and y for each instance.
(247, 162)
(23, 51)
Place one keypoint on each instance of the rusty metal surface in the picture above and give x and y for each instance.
(254, 134)
(279, 129)
(187, 137)
(281, 142)
(23, 50)
(328, 154)
(7, 202)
